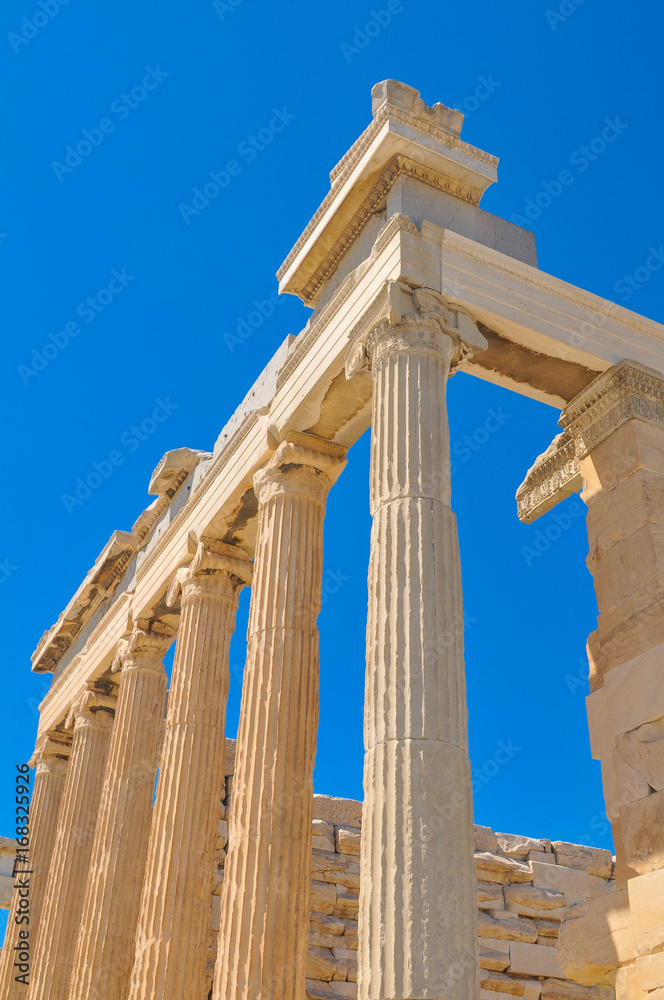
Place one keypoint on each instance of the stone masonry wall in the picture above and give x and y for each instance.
(523, 888)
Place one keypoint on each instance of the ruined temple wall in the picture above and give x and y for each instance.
(524, 888)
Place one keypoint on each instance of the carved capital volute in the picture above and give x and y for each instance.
(92, 709)
(216, 566)
(406, 319)
(145, 648)
(52, 748)
(303, 465)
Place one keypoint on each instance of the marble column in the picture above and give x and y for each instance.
(105, 947)
(50, 760)
(265, 902)
(174, 922)
(92, 718)
(418, 909)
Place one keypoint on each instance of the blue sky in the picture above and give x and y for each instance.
(175, 286)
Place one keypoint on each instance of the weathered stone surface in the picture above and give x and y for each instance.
(516, 846)
(330, 991)
(562, 989)
(508, 928)
(348, 902)
(348, 839)
(346, 812)
(594, 938)
(485, 839)
(534, 960)
(498, 868)
(642, 825)
(561, 879)
(547, 929)
(646, 905)
(488, 892)
(492, 958)
(498, 982)
(323, 897)
(327, 866)
(594, 860)
(321, 964)
(323, 835)
(533, 897)
(650, 971)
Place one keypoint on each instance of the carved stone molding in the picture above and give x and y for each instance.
(145, 647)
(90, 704)
(404, 319)
(625, 392)
(212, 558)
(318, 462)
(554, 476)
(375, 202)
(53, 743)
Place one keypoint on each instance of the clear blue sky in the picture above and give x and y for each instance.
(216, 77)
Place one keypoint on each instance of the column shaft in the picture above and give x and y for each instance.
(105, 949)
(418, 911)
(265, 903)
(174, 920)
(63, 903)
(51, 762)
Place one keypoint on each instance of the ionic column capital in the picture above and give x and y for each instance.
(302, 465)
(92, 710)
(414, 319)
(217, 567)
(145, 648)
(51, 748)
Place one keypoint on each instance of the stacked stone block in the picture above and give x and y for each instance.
(525, 887)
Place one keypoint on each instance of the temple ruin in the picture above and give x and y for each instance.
(236, 882)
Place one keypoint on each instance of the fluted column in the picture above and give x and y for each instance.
(61, 914)
(173, 926)
(418, 911)
(265, 903)
(50, 760)
(105, 949)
